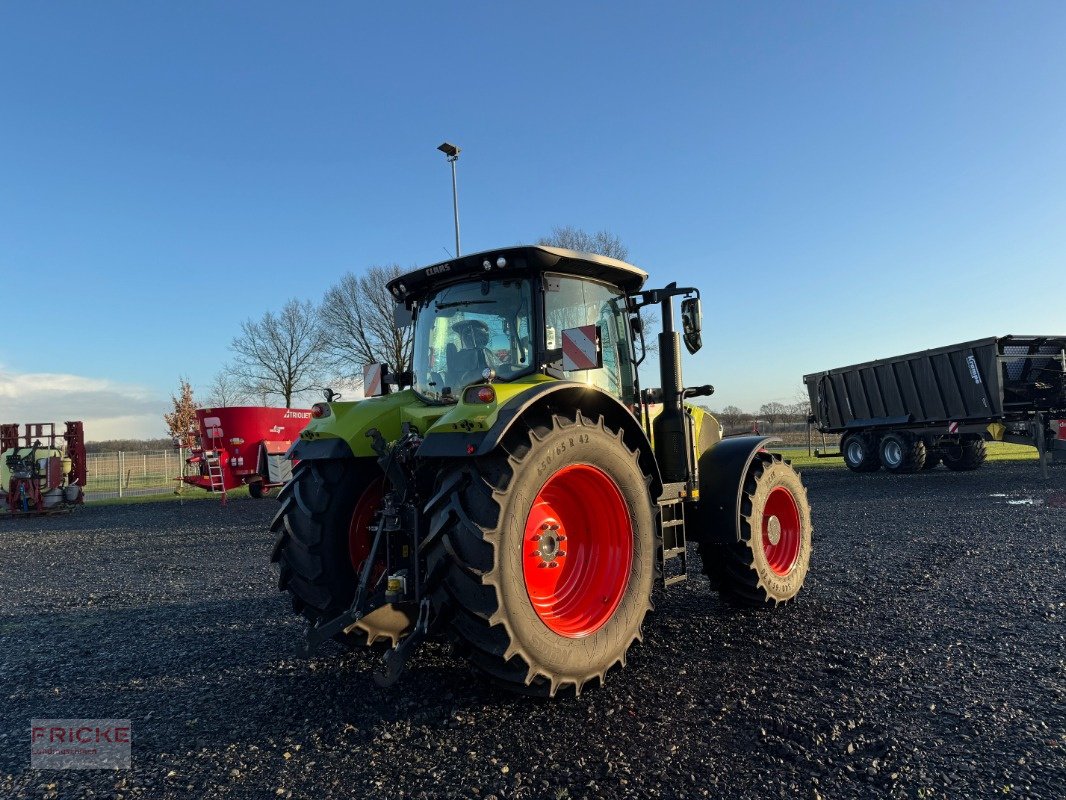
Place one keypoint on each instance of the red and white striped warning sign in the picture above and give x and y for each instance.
(581, 348)
(372, 374)
(953, 427)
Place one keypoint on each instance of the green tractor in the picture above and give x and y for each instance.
(518, 492)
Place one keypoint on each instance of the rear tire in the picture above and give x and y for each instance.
(859, 453)
(766, 563)
(968, 455)
(902, 453)
(312, 548)
(527, 625)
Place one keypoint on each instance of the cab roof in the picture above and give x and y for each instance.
(524, 258)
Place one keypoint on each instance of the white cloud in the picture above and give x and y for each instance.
(110, 410)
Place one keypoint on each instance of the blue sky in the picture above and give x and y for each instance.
(843, 180)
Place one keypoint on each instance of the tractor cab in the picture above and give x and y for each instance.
(500, 316)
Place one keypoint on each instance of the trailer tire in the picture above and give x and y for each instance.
(766, 564)
(859, 452)
(968, 455)
(901, 452)
(538, 608)
(312, 546)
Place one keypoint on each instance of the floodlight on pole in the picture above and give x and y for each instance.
(452, 152)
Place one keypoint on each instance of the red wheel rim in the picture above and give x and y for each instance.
(360, 537)
(578, 550)
(781, 530)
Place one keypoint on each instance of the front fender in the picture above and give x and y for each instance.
(723, 468)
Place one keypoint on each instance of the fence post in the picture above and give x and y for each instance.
(120, 470)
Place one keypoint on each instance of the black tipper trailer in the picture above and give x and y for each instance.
(913, 411)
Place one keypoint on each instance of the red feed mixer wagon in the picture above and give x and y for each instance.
(243, 445)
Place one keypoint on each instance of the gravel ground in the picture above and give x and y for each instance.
(925, 658)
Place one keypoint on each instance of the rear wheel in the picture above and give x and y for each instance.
(967, 455)
(324, 536)
(767, 561)
(902, 452)
(543, 555)
(859, 453)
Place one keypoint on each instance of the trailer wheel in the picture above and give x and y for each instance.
(859, 453)
(766, 564)
(258, 490)
(323, 533)
(902, 453)
(932, 458)
(967, 455)
(542, 555)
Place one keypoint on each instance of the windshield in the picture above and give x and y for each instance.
(463, 330)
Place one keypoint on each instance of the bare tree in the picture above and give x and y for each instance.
(182, 421)
(226, 389)
(281, 354)
(603, 242)
(773, 412)
(732, 417)
(357, 315)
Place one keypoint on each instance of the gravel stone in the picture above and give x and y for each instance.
(924, 658)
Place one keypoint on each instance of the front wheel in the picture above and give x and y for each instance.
(766, 561)
(543, 554)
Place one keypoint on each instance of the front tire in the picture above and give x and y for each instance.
(543, 554)
(766, 561)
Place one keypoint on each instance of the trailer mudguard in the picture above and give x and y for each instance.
(722, 470)
(566, 394)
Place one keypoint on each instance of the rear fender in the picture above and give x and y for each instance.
(723, 468)
(547, 397)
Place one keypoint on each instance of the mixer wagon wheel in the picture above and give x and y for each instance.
(767, 565)
(258, 490)
(860, 453)
(544, 553)
(902, 452)
(323, 535)
(969, 454)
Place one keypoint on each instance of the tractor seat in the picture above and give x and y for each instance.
(466, 366)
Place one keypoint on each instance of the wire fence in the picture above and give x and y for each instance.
(124, 474)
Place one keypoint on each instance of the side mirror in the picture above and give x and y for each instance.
(691, 323)
(402, 315)
(582, 348)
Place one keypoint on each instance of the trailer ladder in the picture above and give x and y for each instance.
(213, 459)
